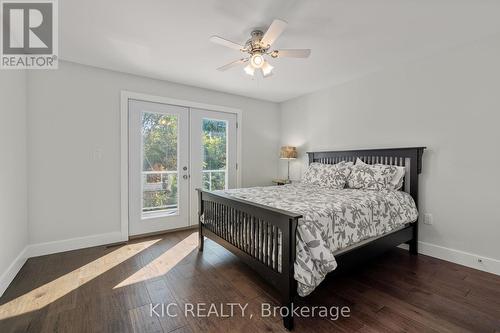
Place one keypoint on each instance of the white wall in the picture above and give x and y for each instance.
(13, 185)
(448, 102)
(75, 110)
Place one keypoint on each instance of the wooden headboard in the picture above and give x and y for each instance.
(410, 158)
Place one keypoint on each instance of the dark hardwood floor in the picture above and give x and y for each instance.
(111, 290)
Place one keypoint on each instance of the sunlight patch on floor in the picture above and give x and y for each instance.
(53, 290)
(164, 263)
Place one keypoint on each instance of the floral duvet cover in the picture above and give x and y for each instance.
(332, 220)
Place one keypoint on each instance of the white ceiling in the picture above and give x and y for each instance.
(168, 40)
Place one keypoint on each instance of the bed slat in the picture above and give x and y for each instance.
(256, 237)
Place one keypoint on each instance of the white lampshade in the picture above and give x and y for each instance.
(267, 69)
(249, 70)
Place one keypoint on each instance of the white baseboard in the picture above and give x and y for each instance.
(11, 272)
(40, 249)
(471, 260)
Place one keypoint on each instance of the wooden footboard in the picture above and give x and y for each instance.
(261, 236)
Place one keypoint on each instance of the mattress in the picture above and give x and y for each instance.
(333, 220)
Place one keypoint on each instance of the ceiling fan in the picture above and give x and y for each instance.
(259, 46)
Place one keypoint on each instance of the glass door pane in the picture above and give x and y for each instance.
(213, 154)
(214, 141)
(159, 164)
(158, 167)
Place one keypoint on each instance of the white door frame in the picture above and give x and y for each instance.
(124, 160)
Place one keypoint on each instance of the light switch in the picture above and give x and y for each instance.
(97, 154)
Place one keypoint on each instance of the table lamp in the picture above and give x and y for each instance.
(288, 153)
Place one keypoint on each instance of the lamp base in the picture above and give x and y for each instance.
(288, 174)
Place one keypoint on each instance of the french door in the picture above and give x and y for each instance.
(213, 153)
(158, 167)
(172, 151)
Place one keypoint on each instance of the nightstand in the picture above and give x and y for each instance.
(281, 181)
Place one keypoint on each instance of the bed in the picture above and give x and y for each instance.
(294, 235)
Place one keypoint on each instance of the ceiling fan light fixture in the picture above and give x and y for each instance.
(257, 60)
(267, 69)
(258, 48)
(249, 69)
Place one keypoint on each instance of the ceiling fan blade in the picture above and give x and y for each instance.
(226, 43)
(274, 31)
(232, 64)
(293, 53)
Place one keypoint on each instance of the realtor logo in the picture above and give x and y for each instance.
(29, 34)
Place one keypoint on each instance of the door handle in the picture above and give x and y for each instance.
(185, 176)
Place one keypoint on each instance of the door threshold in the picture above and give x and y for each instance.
(162, 232)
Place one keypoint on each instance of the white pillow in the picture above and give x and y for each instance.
(374, 176)
(327, 175)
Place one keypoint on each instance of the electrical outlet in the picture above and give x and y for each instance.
(428, 218)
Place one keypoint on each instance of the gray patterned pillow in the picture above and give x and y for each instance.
(327, 175)
(397, 181)
(371, 177)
